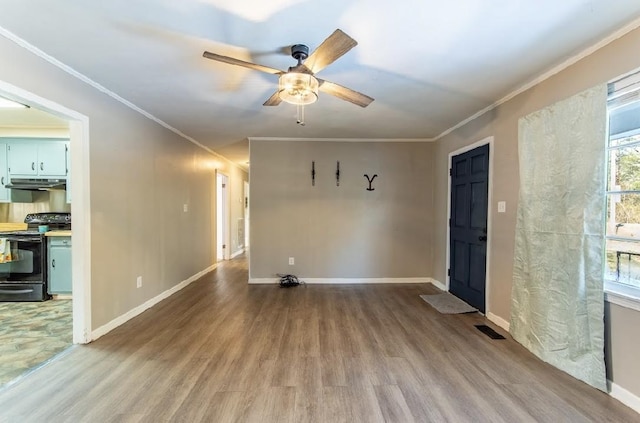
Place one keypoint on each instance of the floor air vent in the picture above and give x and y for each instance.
(489, 332)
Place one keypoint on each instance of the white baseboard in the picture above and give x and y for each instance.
(237, 253)
(337, 281)
(438, 284)
(498, 321)
(104, 329)
(629, 399)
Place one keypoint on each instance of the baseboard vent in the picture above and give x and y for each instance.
(489, 332)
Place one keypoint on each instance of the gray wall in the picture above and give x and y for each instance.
(345, 231)
(141, 175)
(621, 326)
(605, 64)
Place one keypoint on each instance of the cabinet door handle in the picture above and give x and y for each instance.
(33, 165)
(53, 263)
(41, 165)
(2, 181)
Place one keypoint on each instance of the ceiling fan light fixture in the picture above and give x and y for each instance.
(298, 88)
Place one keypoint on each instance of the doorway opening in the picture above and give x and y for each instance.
(222, 216)
(80, 204)
(469, 206)
(76, 131)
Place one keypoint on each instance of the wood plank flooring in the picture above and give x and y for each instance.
(223, 351)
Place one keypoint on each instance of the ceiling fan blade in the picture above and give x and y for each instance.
(330, 50)
(238, 62)
(345, 93)
(274, 100)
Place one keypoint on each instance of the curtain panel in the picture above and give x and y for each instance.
(557, 309)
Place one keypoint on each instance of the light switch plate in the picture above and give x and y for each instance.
(502, 206)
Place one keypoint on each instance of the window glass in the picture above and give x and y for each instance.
(623, 262)
(624, 164)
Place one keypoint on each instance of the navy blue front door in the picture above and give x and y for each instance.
(468, 226)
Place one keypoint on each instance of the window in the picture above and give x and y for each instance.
(622, 268)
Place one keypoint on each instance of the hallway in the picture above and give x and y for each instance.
(221, 350)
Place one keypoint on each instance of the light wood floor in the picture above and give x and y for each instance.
(223, 351)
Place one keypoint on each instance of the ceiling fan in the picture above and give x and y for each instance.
(299, 85)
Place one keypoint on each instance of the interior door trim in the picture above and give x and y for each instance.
(488, 140)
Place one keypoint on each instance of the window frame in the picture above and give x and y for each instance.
(622, 92)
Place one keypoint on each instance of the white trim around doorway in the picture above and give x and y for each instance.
(80, 205)
(485, 141)
(226, 219)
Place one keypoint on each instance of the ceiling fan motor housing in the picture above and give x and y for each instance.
(299, 52)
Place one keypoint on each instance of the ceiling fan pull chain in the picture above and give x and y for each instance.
(300, 111)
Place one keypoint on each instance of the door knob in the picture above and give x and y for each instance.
(482, 238)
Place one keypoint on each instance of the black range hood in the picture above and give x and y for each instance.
(36, 184)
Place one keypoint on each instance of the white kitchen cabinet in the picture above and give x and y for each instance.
(59, 265)
(37, 158)
(23, 158)
(8, 195)
(52, 159)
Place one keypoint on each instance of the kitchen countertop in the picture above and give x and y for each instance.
(23, 226)
(58, 233)
(13, 226)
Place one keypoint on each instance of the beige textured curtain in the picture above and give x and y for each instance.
(557, 307)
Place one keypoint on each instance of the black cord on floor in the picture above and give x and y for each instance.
(287, 281)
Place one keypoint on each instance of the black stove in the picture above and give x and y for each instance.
(24, 277)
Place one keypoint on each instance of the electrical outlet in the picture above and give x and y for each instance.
(185, 208)
(139, 282)
(292, 261)
(502, 206)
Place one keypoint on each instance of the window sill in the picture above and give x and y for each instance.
(622, 295)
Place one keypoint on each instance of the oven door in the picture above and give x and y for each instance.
(30, 264)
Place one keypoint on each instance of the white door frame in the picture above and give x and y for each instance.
(226, 216)
(247, 215)
(80, 204)
(488, 140)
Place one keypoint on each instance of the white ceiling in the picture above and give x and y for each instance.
(429, 64)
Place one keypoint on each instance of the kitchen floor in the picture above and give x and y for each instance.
(31, 333)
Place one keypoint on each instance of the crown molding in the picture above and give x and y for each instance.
(342, 139)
